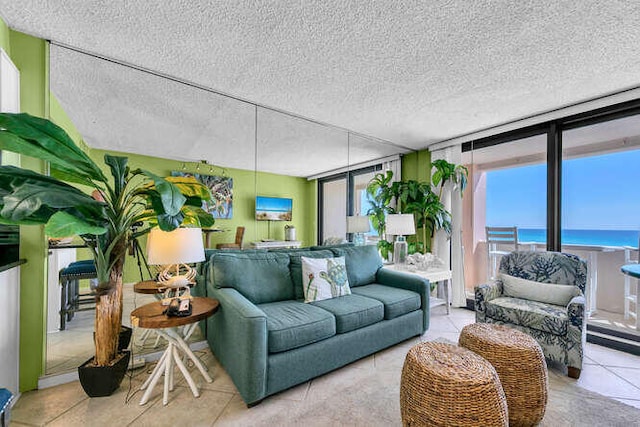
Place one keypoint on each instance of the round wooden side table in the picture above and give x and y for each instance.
(151, 316)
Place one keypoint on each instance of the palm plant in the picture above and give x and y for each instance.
(104, 221)
(380, 194)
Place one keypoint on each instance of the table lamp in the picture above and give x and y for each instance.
(400, 225)
(174, 250)
(358, 225)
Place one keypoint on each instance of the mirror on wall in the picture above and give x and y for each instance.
(264, 151)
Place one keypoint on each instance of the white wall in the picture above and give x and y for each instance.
(10, 329)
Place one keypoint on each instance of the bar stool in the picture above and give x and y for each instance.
(70, 297)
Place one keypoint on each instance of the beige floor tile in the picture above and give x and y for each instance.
(632, 375)
(183, 409)
(41, 406)
(99, 411)
(273, 411)
(608, 357)
(441, 324)
(600, 380)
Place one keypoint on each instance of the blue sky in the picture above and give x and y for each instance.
(599, 193)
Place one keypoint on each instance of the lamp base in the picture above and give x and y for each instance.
(400, 249)
(359, 239)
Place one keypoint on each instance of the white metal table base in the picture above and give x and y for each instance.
(166, 363)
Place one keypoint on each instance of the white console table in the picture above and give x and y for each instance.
(276, 244)
(434, 275)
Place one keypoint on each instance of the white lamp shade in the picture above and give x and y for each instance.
(357, 224)
(180, 246)
(400, 225)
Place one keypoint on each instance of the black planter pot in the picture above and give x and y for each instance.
(99, 381)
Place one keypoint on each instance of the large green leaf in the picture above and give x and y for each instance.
(29, 197)
(119, 171)
(190, 187)
(36, 137)
(62, 224)
(171, 198)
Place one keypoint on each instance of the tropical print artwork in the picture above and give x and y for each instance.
(324, 278)
(221, 187)
(559, 330)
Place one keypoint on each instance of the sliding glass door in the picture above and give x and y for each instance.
(600, 215)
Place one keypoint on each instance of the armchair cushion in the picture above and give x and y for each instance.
(535, 291)
(292, 324)
(544, 317)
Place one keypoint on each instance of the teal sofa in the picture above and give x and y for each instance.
(268, 339)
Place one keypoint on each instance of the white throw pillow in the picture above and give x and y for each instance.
(324, 278)
(542, 292)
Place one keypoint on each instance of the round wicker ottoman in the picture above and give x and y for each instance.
(447, 385)
(519, 361)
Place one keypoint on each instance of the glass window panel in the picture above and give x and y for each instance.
(507, 188)
(600, 220)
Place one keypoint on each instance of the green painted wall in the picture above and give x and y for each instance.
(5, 41)
(417, 166)
(31, 56)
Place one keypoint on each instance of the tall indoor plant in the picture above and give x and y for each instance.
(103, 221)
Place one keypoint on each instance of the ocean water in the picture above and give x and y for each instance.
(583, 237)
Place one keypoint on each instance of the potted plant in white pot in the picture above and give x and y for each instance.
(103, 221)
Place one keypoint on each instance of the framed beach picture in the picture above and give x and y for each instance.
(221, 207)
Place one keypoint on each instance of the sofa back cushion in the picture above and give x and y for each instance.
(295, 267)
(261, 277)
(362, 262)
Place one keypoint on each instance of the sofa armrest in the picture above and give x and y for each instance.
(575, 311)
(484, 293)
(237, 334)
(410, 282)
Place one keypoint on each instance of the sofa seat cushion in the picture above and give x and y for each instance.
(352, 311)
(532, 314)
(396, 301)
(292, 324)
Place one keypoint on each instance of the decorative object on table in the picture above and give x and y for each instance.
(175, 250)
(447, 385)
(400, 225)
(289, 233)
(324, 278)
(103, 222)
(358, 225)
(424, 262)
(559, 329)
(520, 364)
(220, 206)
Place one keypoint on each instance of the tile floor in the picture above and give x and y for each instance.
(608, 372)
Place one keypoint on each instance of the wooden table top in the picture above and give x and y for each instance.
(148, 287)
(150, 315)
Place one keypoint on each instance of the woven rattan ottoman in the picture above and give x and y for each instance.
(447, 385)
(519, 361)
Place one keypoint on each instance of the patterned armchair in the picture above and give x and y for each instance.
(560, 330)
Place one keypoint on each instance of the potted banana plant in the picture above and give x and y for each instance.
(104, 221)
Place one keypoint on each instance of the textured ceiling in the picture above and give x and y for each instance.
(411, 73)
